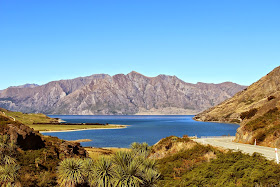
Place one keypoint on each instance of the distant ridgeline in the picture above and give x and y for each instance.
(256, 109)
(119, 94)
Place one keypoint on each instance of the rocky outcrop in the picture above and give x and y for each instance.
(119, 94)
(69, 149)
(25, 137)
(22, 135)
(256, 109)
(28, 139)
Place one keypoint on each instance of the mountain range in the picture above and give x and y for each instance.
(120, 94)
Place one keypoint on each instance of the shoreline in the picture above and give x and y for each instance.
(72, 130)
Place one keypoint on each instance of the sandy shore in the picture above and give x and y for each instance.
(80, 140)
(70, 130)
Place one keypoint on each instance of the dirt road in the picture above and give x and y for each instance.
(226, 142)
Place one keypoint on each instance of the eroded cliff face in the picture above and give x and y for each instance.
(255, 108)
(27, 139)
(120, 94)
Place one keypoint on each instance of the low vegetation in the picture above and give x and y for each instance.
(228, 169)
(265, 127)
(124, 168)
(248, 114)
(95, 152)
(207, 166)
(8, 164)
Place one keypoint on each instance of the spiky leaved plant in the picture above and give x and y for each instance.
(104, 174)
(70, 172)
(127, 169)
(8, 175)
(150, 175)
(88, 168)
(140, 149)
(8, 165)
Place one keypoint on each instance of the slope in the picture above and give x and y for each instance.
(255, 108)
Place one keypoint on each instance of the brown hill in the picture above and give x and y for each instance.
(119, 94)
(37, 155)
(255, 108)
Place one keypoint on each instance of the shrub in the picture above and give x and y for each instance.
(248, 114)
(228, 169)
(124, 168)
(270, 98)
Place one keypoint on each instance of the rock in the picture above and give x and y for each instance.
(28, 139)
(69, 149)
(24, 137)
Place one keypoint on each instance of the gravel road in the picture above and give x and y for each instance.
(226, 142)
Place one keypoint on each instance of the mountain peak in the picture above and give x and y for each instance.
(135, 73)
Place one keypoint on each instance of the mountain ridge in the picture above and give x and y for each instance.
(117, 94)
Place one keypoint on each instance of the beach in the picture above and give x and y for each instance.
(63, 129)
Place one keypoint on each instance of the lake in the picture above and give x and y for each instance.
(148, 129)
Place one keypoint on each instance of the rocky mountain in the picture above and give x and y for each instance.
(26, 86)
(256, 109)
(133, 93)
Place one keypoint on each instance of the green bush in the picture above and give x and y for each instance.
(228, 169)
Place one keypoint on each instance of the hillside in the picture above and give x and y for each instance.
(119, 94)
(33, 157)
(27, 119)
(183, 162)
(256, 109)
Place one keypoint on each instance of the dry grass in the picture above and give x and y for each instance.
(72, 127)
(94, 153)
(29, 119)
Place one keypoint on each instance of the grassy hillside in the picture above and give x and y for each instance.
(265, 129)
(34, 156)
(32, 119)
(255, 96)
(256, 109)
(28, 119)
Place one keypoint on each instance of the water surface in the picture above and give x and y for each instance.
(148, 129)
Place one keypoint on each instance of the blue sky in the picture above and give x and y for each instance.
(196, 40)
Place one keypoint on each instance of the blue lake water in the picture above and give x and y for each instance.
(148, 129)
